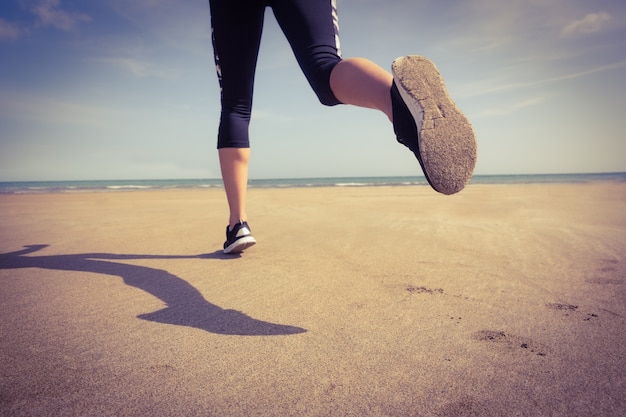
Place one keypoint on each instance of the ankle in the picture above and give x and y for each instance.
(232, 223)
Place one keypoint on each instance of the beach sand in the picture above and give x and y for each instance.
(503, 300)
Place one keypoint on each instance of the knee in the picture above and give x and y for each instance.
(320, 81)
(328, 99)
(234, 124)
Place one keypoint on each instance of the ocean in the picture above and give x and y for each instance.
(32, 187)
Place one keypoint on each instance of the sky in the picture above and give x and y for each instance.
(126, 89)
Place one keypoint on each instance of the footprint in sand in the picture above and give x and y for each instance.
(506, 341)
(423, 290)
(609, 273)
(562, 307)
(606, 281)
(569, 308)
(465, 407)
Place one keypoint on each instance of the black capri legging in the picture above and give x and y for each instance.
(311, 29)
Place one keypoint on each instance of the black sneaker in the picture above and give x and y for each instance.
(238, 239)
(426, 120)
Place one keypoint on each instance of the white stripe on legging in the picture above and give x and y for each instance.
(336, 26)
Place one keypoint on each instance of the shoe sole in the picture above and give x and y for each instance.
(240, 245)
(446, 140)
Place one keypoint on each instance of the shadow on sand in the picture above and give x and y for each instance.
(185, 305)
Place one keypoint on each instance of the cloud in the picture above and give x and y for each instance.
(592, 22)
(172, 23)
(43, 109)
(511, 108)
(9, 31)
(50, 14)
(137, 68)
(489, 87)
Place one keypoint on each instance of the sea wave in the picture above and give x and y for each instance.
(352, 184)
(34, 187)
(129, 187)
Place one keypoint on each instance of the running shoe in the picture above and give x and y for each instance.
(238, 239)
(427, 121)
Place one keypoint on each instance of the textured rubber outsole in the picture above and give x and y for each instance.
(446, 141)
(240, 245)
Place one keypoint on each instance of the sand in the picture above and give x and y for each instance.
(503, 300)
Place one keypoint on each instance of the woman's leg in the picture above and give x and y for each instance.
(237, 26)
(412, 98)
(362, 83)
(355, 81)
(234, 165)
